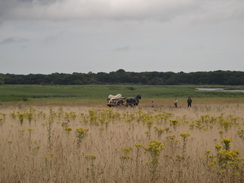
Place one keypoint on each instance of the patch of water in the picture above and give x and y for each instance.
(219, 89)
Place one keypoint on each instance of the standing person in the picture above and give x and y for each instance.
(189, 101)
(176, 103)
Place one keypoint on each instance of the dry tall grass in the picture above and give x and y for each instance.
(41, 144)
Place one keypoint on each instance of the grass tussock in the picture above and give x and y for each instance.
(143, 144)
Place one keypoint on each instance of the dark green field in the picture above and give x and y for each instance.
(58, 94)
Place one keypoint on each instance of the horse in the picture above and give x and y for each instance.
(111, 97)
(133, 101)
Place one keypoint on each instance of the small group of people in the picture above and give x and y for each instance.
(189, 101)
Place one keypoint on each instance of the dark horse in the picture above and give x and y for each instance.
(133, 101)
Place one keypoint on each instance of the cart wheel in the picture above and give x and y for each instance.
(120, 102)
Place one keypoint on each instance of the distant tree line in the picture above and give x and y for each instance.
(122, 77)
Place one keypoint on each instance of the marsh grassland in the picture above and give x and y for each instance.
(142, 144)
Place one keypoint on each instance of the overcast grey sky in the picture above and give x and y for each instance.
(66, 36)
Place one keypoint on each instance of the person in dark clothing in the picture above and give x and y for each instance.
(189, 101)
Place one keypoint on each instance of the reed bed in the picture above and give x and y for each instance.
(142, 144)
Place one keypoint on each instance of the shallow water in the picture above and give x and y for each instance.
(218, 89)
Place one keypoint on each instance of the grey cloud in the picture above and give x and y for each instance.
(13, 40)
(54, 38)
(38, 1)
(212, 12)
(162, 10)
(25, 0)
(51, 39)
(123, 48)
(8, 41)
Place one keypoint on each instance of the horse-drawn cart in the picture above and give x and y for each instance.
(116, 102)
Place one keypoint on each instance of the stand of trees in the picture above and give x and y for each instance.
(122, 77)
